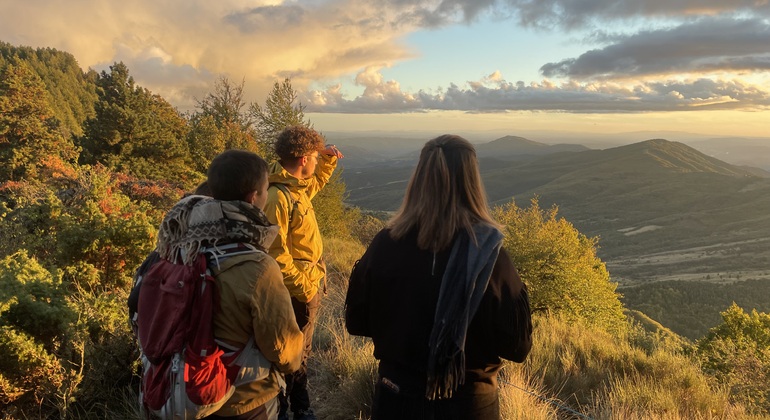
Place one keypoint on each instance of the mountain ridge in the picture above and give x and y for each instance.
(520, 147)
(642, 200)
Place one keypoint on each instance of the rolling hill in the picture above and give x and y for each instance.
(519, 148)
(662, 210)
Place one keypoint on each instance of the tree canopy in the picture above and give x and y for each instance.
(30, 138)
(72, 92)
(136, 132)
(281, 110)
(220, 123)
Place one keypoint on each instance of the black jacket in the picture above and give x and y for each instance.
(392, 298)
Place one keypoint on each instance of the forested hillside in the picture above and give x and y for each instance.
(688, 306)
(664, 212)
(71, 93)
(87, 177)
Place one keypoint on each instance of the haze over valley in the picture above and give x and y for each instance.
(663, 211)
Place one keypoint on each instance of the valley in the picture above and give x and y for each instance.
(665, 214)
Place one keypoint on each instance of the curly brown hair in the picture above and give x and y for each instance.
(297, 141)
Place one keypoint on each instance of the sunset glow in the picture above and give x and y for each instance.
(510, 65)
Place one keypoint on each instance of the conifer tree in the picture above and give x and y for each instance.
(136, 132)
(220, 123)
(281, 110)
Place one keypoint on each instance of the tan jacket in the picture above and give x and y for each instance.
(255, 303)
(298, 248)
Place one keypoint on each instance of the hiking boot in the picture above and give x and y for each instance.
(305, 415)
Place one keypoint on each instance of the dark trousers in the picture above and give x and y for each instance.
(296, 383)
(391, 403)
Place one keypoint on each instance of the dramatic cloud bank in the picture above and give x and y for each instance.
(705, 45)
(177, 48)
(692, 55)
(685, 55)
(494, 95)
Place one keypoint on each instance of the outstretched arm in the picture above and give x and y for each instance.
(327, 163)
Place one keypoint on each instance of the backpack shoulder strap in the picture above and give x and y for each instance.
(292, 202)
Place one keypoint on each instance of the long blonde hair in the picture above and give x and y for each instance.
(444, 195)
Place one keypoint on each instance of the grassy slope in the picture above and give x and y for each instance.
(642, 376)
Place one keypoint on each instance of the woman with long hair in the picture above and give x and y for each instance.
(439, 295)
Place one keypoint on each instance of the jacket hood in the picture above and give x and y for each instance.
(277, 174)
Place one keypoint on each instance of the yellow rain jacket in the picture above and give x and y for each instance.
(298, 248)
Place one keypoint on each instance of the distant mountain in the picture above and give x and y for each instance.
(379, 146)
(356, 156)
(519, 147)
(368, 151)
(656, 205)
(756, 171)
(663, 210)
(737, 150)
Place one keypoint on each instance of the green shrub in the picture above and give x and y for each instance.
(560, 267)
(737, 354)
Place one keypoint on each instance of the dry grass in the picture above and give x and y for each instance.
(574, 371)
(342, 367)
(606, 378)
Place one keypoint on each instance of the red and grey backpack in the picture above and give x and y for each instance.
(184, 375)
(186, 372)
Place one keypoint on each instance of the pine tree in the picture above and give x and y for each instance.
(136, 132)
(220, 123)
(279, 112)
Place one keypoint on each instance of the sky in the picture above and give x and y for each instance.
(513, 66)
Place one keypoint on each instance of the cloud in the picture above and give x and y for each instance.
(178, 48)
(493, 94)
(267, 17)
(179, 83)
(706, 45)
(569, 14)
(379, 96)
(259, 40)
(572, 14)
(432, 14)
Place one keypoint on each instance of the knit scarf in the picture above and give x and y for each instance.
(462, 287)
(197, 222)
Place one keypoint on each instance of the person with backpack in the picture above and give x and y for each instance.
(303, 168)
(253, 319)
(439, 296)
